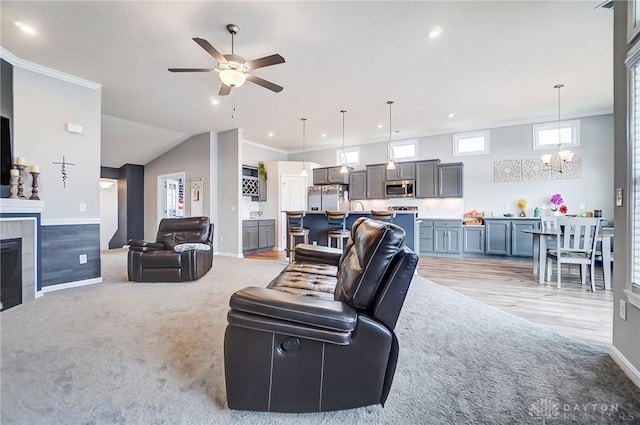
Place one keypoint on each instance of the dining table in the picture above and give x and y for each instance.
(540, 238)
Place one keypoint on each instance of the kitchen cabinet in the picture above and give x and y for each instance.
(450, 179)
(441, 237)
(375, 181)
(258, 235)
(426, 173)
(473, 239)
(403, 171)
(330, 175)
(505, 236)
(357, 185)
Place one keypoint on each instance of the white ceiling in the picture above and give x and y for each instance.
(495, 64)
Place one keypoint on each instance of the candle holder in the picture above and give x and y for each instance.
(21, 181)
(14, 187)
(34, 186)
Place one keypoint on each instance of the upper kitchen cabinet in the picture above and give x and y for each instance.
(330, 175)
(426, 173)
(253, 185)
(375, 181)
(450, 180)
(403, 171)
(358, 185)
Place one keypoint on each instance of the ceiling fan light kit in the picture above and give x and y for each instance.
(232, 69)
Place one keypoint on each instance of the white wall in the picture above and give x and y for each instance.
(108, 213)
(481, 192)
(42, 106)
(229, 192)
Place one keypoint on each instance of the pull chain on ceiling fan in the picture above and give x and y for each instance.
(232, 69)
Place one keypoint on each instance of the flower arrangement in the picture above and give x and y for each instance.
(563, 209)
(556, 200)
(522, 203)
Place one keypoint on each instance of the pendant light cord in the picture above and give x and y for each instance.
(389, 102)
(343, 158)
(559, 86)
(304, 125)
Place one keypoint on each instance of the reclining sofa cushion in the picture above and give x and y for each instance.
(365, 260)
(174, 232)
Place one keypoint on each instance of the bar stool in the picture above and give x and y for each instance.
(383, 215)
(337, 227)
(295, 223)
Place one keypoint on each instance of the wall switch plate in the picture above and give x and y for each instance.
(83, 207)
(507, 206)
(623, 309)
(74, 128)
(83, 258)
(581, 205)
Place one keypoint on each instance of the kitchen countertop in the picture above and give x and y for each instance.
(362, 212)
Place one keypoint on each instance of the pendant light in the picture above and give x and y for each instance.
(563, 156)
(304, 169)
(343, 169)
(391, 165)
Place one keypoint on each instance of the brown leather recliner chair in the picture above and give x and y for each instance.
(320, 336)
(183, 251)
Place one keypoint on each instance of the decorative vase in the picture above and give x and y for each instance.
(556, 213)
(523, 213)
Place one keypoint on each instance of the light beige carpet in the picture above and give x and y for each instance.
(134, 353)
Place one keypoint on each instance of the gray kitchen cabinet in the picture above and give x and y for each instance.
(505, 237)
(441, 237)
(473, 239)
(426, 237)
(329, 175)
(258, 235)
(357, 185)
(375, 181)
(450, 179)
(403, 171)
(426, 173)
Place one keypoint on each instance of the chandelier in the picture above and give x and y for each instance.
(559, 161)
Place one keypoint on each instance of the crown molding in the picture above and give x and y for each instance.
(260, 145)
(30, 66)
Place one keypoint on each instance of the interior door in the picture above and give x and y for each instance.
(294, 198)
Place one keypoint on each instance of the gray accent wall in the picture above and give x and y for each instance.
(481, 192)
(626, 333)
(61, 248)
(192, 157)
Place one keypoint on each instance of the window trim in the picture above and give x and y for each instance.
(575, 134)
(457, 137)
(404, 142)
(347, 150)
(632, 290)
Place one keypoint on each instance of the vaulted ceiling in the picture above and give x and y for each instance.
(494, 64)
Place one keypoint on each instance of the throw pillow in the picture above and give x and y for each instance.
(191, 246)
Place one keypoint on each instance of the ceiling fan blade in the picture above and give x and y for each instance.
(264, 83)
(224, 90)
(191, 69)
(265, 61)
(210, 49)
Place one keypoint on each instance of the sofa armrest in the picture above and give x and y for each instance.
(306, 310)
(306, 253)
(141, 245)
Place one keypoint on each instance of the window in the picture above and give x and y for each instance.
(475, 143)
(351, 156)
(634, 135)
(404, 149)
(545, 136)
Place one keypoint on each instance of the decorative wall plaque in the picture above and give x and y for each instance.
(507, 170)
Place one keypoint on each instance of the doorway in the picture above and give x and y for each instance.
(171, 202)
(293, 198)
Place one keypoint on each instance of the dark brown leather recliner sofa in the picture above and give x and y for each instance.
(320, 336)
(183, 251)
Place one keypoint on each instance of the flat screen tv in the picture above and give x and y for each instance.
(5, 151)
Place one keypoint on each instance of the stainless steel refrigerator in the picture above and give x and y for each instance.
(326, 197)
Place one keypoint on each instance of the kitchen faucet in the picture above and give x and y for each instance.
(354, 203)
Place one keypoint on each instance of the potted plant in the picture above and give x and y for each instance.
(262, 171)
(522, 204)
(556, 200)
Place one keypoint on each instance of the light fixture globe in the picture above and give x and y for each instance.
(232, 77)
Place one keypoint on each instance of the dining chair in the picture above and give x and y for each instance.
(575, 244)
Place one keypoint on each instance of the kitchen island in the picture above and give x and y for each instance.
(316, 222)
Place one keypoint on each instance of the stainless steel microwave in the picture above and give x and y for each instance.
(399, 188)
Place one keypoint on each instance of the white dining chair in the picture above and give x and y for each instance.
(575, 244)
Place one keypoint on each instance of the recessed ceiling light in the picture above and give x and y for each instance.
(270, 134)
(323, 135)
(434, 32)
(380, 126)
(451, 115)
(25, 28)
(214, 101)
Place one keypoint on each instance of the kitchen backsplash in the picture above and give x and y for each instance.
(428, 208)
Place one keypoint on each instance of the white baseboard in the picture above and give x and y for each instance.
(68, 285)
(626, 366)
(228, 254)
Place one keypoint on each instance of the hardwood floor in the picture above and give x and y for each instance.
(509, 285)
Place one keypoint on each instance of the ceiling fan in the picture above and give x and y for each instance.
(232, 69)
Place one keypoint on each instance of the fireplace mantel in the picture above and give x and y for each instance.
(8, 205)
